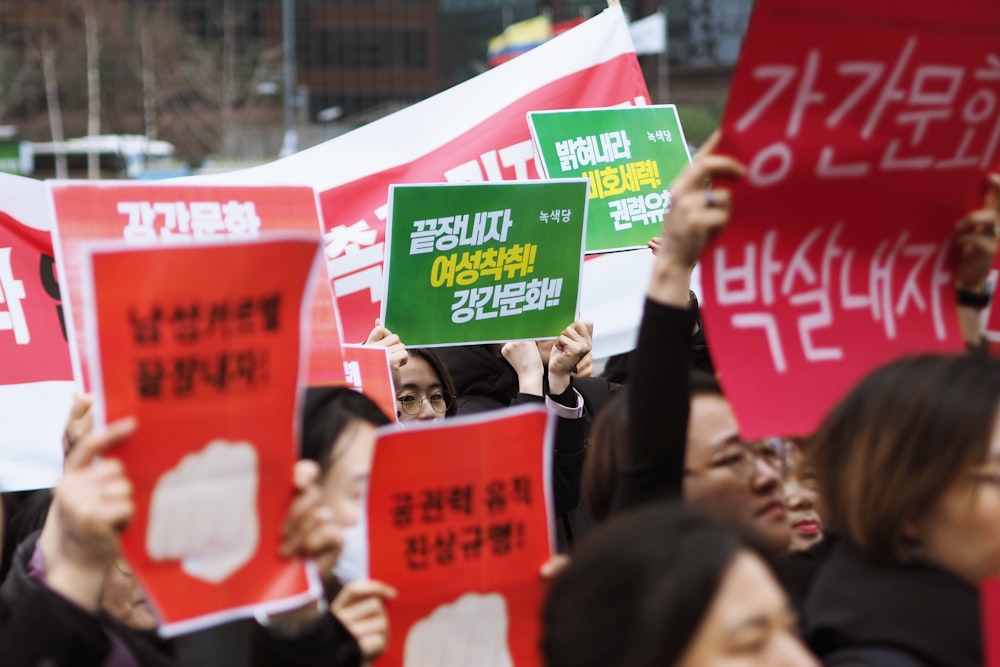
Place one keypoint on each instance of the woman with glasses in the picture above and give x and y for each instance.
(424, 388)
(909, 472)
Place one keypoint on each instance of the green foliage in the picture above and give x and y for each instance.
(700, 120)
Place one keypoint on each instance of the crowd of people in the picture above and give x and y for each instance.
(681, 543)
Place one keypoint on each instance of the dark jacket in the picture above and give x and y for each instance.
(70, 636)
(485, 381)
(918, 610)
(49, 630)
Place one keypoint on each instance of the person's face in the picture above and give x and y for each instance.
(749, 623)
(417, 381)
(755, 501)
(346, 480)
(962, 531)
(124, 600)
(802, 501)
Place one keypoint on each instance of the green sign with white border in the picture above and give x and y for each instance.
(630, 155)
(483, 262)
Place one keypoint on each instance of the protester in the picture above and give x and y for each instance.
(100, 613)
(671, 454)
(424, 388)
(338, 432)
(908, 464)
(802, 498)
(701, 458)
(664, 586)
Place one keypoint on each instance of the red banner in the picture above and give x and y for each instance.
(36, 378)
(866, 129)
(458, 523)
(367, 369)
(164, 214)
(32, 339)
(212, 370)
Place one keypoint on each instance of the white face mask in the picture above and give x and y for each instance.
(353, 562)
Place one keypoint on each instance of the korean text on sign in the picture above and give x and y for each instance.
(474, 264)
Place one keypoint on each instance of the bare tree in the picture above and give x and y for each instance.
(47, 51)
(90, 23)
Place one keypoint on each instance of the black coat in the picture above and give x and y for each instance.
(485, 381)
(920, 610)
(39, 627)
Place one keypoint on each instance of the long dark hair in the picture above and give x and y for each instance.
(328, 412)
(636, 590)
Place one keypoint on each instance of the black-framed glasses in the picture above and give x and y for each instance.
(741, 458)
(410, 402)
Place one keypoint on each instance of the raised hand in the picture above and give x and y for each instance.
(573, 344)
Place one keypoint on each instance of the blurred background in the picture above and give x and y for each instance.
(161, 88)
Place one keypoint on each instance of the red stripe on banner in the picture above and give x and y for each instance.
(32, 341)
(499, 148)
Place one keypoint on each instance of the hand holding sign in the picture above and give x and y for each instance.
(360, 607)
(90, 507)
(697, 215)
(573, 344)
(382, 337)
(309, 532)
(80, 422)
(699, 210)
(976, 239)
(524, 358)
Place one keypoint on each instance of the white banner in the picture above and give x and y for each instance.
(36, 379)
(650, 34)
(475, 131)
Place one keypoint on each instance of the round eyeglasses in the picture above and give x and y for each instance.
(411, 403)
(741, 458)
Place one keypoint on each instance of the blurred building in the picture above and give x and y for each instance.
(207, 75)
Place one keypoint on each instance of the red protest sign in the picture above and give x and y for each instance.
(866, 129)
(212, 370)
(458, 523)
(990, 603)
(367, 369)
(166, 214)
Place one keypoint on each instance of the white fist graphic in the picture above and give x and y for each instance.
(204, 511)
(471, 631)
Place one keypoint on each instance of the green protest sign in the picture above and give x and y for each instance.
(483, 262)
(630, 156)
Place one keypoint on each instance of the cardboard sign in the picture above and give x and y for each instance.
(146, 214)
(472, 132)
(367, 369)
(866, 129)
(212, 370)
(463, 540)
(488, 262)
(36, 379)
(630, 156)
